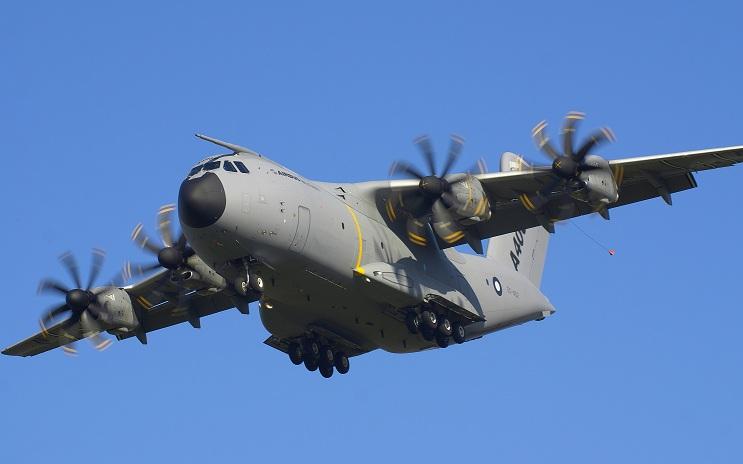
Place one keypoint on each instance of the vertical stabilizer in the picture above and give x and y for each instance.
(524, 250)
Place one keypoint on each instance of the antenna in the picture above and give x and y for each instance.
(611, 251)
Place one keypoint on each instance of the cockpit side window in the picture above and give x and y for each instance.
(211, 166)
(195, 169)
(228, 166)
(241, 167)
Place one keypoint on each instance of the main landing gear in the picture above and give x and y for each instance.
(433, 326)
(318, 356)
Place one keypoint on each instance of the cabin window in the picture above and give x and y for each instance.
(229, 166)
(195, 169)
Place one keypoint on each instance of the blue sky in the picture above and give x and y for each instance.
(642, 362)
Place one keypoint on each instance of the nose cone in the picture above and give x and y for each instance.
(201, 201)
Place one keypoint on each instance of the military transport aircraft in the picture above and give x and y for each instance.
(341, 269)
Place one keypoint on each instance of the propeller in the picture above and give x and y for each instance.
(442, 199)
(568, 165)
(171, 255)
(555, 201)
(81, 302)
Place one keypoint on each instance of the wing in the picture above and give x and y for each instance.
(59, 334)
(154, 301)
(638, 179)
(157, 306)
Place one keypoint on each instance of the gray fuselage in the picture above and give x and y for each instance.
(330, 259)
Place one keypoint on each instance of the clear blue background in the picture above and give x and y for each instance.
(642, 362)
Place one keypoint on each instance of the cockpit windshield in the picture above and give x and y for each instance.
(211, 166)
(227, 165)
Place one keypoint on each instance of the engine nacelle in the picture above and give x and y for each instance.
(600, 186)
(117, 310)
(472, 203)
(200, 276)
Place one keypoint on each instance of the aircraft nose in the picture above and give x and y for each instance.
(201, 201)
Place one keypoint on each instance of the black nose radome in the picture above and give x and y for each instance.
(201, 201)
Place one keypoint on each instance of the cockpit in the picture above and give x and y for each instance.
(213, 165)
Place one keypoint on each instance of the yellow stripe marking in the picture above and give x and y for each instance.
(391, 210)
(480, 207)
(527, 202)
(454, 236)
(359, 239)
(418, 242)
(143, 301)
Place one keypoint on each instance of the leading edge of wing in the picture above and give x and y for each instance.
(721, 151)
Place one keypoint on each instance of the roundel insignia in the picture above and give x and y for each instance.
(497, 286)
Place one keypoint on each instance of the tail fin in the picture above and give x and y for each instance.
(525, 250)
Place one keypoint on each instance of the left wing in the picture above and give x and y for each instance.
(638, 179)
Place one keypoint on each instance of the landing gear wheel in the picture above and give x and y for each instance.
(442, 341)
(429, 319)
(295, 353)
(256, 283)
(459, 334)
(326, 356)
(311, 364)
(241, 286)
(342, 365)
(413, 321)
(326, 371)
(444, 327)
(427, 333)
(311, 349)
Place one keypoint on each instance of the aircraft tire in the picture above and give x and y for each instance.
(311, 364)
(342, 365)
(429, 319)
(459, 333)
(427, 333)
(241, 286)
(295, 353)
(413, 321)
(310, 349)
(256, 283)
(326, 371)
(444, 328)
(326, 357)
(442, 341)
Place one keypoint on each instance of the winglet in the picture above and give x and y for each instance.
(229, 146)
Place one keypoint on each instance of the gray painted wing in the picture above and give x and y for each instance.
(639, 179)
(57, 335)
(156, 304)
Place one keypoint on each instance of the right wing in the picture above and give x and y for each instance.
(156, 303)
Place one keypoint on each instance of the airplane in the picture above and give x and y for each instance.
(342, 269)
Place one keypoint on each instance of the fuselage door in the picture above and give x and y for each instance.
(303, 229)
